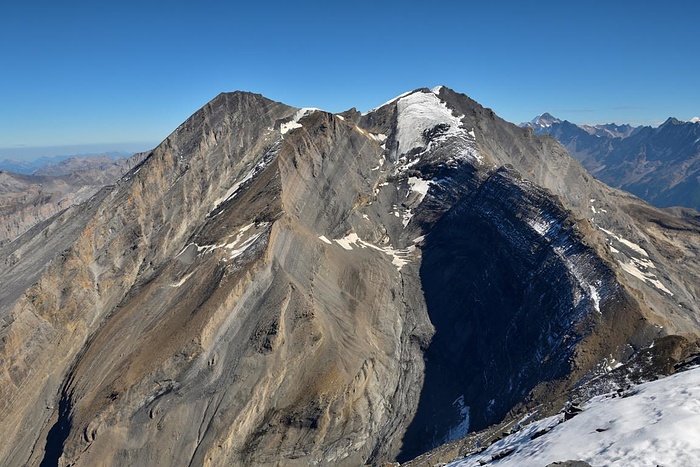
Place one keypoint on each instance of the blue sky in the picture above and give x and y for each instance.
(83, 73)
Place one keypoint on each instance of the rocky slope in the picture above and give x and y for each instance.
(281, 286)
(660, 165)
(26, 200)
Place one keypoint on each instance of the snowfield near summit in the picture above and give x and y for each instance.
(656, 423)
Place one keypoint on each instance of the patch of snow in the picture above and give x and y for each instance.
(595, 297)
(418, 112)
(658, 423)
(541, 225)
(239, 251)
(436, 90)
(419, 239)
(695, 120)
(182, 281)
(637, 267)
(632, 269)
(294, 122)
(325, 240)
(381, 137)
(341, 117)
(406, 218)
(420, 186)
(462, 428)
(399, 258)
(574, 269)
(267, 158)
(391, 101)
(627, 243)
(347, 241)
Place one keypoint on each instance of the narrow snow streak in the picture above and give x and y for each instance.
(399, 258)
(639, 267)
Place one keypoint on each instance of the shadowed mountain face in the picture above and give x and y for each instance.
(281, 286)
(660, 165)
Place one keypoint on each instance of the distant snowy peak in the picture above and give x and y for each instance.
(546, 124)
(612, 130)
(694, 120)
(545, 120)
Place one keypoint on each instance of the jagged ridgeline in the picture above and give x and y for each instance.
(282, 286)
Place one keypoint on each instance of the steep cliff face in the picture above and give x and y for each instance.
(280, 286)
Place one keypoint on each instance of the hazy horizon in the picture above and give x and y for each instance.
(30, 153)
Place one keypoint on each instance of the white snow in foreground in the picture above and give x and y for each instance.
(658, 424)
(294, 122)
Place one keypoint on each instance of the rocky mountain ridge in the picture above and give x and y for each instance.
(282, 286)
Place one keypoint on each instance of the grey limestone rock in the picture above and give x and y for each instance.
(281, 286)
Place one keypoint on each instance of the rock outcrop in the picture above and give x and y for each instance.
(281, 286)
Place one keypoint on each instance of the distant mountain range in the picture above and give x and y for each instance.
(52, 186)
(660, 165)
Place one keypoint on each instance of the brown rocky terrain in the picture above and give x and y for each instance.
(275, 286)
(26, 200)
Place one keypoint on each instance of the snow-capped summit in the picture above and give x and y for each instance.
(695, 120)
(545, 120)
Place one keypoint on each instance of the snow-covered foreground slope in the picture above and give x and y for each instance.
(656, 423)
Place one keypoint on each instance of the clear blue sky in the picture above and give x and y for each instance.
(97, 72)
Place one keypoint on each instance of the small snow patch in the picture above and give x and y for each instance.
(294, 122)
(182, 281)
(399, 258)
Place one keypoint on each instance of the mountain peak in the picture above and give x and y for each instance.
(540, 122)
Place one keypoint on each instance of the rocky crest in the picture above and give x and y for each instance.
(281, 286)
